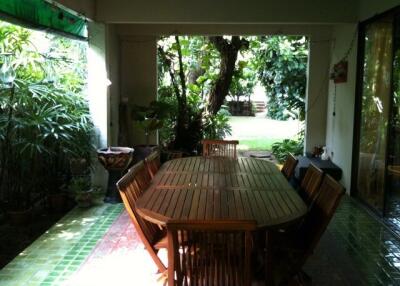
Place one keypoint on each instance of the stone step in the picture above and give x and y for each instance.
(259, 106)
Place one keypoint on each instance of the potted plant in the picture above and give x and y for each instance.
(149, 118)
(81, 188)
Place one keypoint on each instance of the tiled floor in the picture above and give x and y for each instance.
(393, 211)
(356, 250)
(59, 252)
(98, 246)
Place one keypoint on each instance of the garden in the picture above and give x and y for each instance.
(206, 81)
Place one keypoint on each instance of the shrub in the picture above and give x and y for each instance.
(281, 149)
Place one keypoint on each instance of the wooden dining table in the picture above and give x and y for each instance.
(221, 188)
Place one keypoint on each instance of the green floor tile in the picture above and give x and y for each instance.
(59, 252)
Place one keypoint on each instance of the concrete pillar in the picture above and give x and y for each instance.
(97, 93)
(317, 91)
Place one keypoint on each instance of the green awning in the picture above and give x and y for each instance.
(43, 15)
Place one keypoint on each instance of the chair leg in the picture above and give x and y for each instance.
(269, 277)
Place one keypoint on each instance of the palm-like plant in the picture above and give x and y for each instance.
(42, 124)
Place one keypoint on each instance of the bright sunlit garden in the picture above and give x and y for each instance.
(212, 84)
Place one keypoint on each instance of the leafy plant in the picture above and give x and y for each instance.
(83, 191)
(80, 184)
(151, 117)
(43, 123)
(189, 68)
(282, 67)
(281, 149)
(217, 126)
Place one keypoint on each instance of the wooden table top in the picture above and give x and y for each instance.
(218, 188)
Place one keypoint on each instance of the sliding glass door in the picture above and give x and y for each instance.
(379, 125)
(393, 155)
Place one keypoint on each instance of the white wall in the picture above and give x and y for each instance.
(232, 11)
(316, 94)
(97, 92)
(339, 137)
(113, 59)
(138, 80)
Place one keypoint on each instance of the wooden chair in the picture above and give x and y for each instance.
(289, 166)
(173, 154)
(310, 184)
(300, 245)
(215, 253)
(131, 186)
(224, 148)
(153, 163)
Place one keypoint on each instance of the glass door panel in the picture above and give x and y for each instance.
(375, 107)
(393, 158)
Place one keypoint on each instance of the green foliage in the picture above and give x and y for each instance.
(167, 131)
(282, 149)
(278, 62)
(217, 126)
(151, 117)
(201, 66)
(282, 64)
(243, 81)
(43, 123)
(80, 184)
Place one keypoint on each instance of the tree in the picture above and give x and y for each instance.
(282, 65)
(188, 121)
(228, 52)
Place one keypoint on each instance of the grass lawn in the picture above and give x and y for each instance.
(257, 143)
(259, 133)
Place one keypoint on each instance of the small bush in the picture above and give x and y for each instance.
(281, 149)
(217, 126)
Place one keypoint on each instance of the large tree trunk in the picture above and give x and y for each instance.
(229, 52)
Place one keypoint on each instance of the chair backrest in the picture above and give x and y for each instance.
(320, 214)
(131, 186)
(309, 186)
(216, 253)
(153, 163)
(289, 166)
(225, 148)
